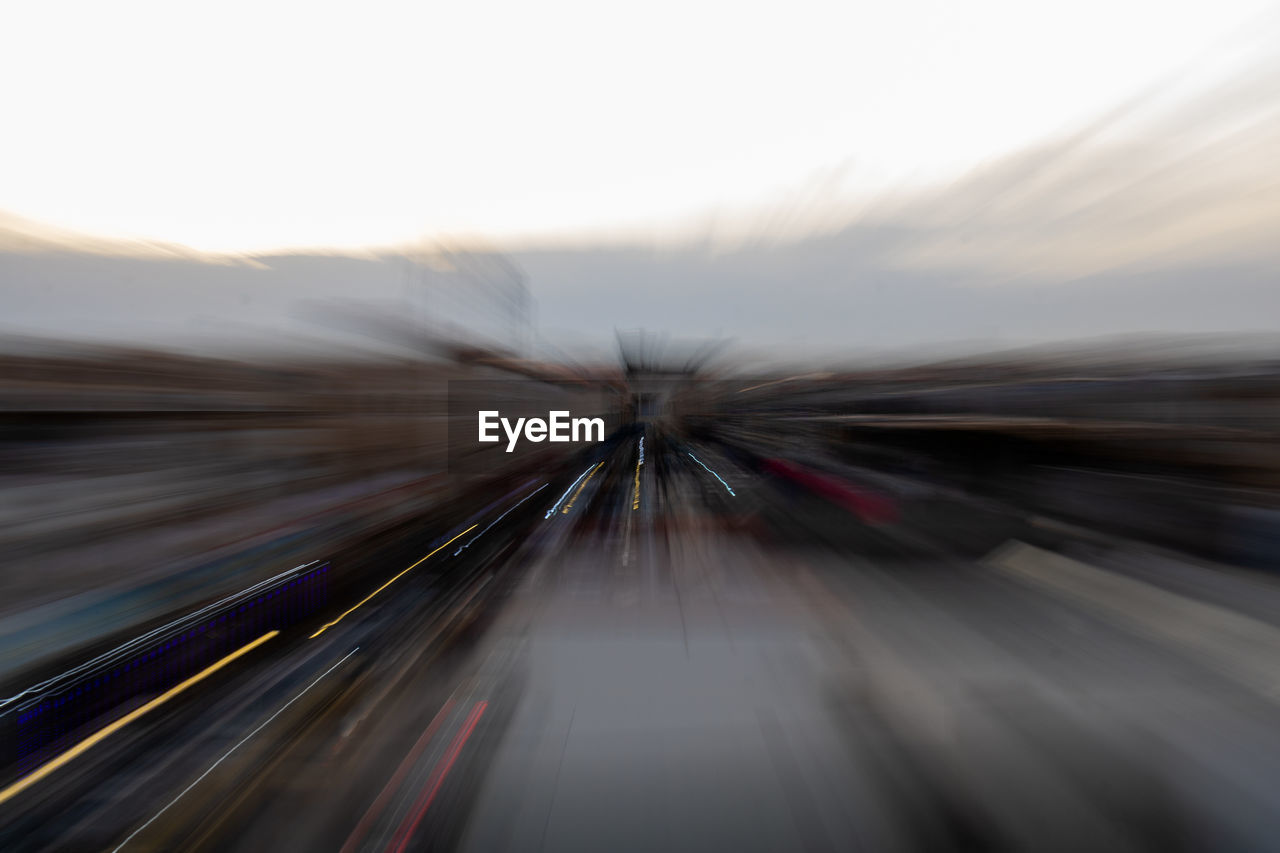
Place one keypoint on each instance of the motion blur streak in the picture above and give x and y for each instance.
(437, 778)
(141, 640)
(397, 577)
(490, 525)
(635, 500)
(556, 505)
(569, 505)
(394, 782)
(105, 732)
(713, 474)
(227, 754)
(939, 607)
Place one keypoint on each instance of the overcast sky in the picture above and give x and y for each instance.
(803, 174)
(255, 125)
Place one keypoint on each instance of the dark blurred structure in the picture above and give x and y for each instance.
(123, 468)
(1181, 455)
(982, 604)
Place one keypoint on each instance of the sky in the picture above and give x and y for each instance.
(266, 125)
(805, 178)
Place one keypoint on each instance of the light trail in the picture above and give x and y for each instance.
(227, 754)
(570, 505)
(124, 649)
(499, 518)
(476, 517)
(635, 501)
(712, 473)
(393, 783)
(110, 729)
(366, 599)
(556, 505)
(436, 780)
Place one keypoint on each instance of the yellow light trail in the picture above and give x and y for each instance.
(567, 506)
(365, 601)
(111, 728)
(635, 502)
